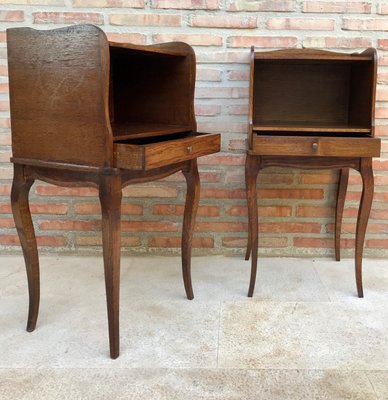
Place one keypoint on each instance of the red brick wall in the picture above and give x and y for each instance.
(296, 207)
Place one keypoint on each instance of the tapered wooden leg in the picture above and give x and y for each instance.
(252, 164)
(363, 216)
(191, 207)
(110, 198)
(25, 229)
(341, 194)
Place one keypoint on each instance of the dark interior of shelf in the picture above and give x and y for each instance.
(130, 130)
(152, 87)
(325, 96)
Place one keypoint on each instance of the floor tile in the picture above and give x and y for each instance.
(188, 384)
(303, 335)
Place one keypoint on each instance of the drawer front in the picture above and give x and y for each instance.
(158, 154)
(315, 146)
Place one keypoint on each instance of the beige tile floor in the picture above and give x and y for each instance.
(304, 334)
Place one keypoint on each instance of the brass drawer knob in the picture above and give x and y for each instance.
(314, 146)
(189, 149)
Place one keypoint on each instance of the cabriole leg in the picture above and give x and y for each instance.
(21, 213)
(341, 194)
(110, 198)
(191, 207)
(251, 171)
(363, 216)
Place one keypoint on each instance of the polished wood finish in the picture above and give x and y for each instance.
(87, 112)
(312, 109)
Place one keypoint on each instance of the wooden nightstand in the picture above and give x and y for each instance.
(89, 112)
(312, 109)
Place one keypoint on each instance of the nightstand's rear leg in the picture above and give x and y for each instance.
(191, 207)
(110, 198)
(363, 216)
(251, 171)
(341, 194)
(21, 213)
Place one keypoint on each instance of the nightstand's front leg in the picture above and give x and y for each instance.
(110, 197)
(341, 195)
(191, 207)
(22, 216)
(252, 167)
(363, 216)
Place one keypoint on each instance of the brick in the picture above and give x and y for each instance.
(219, 193)
(289, 227)
(51, 190)
(382, 94)
(70, 225)
(46, 241)
(383, 9)
(149, 191)
(238, 75)
(319, 243)
(265, 242)
(5, 156)
(381, 112)
(379, 214)
(383, 61)
(135, 38)
(4, 87)
(207, 109)
(365, 24)
(319, 178)
(338, 7)
(300, 24)
(207, 74)
(173, 209)
(126, 241)
(205, 21)
(381, 130)
(146, 19)
(229, 57)
(6, 173)
(377, 243)
(198, 242)
(49, 208)
(223, 126)
(35, 2)
(223, 159)
(337, 42)
(7, 223)
(11, 16)
(5, 190)
(382, 44)
(314, 211)
(210, 176)
(263, 211)
(291, 193)
(221, 93)
(240, 109)
(263, 178)
(5, 123)
(4, 106)
(5, 139)
(150, 226)
(193, 40)
(42, 17)
(240, 144)
(262, 41)
(3, 70)
(186, 4)
(109, 3)
(221, 227)
(261, 5)
(95, 209)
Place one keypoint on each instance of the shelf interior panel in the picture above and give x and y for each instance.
(135, 130)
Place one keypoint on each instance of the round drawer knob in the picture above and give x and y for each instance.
(189, 149)
(314, 146)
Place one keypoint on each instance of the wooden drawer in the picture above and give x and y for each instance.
(149, 153)
(316, 146)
